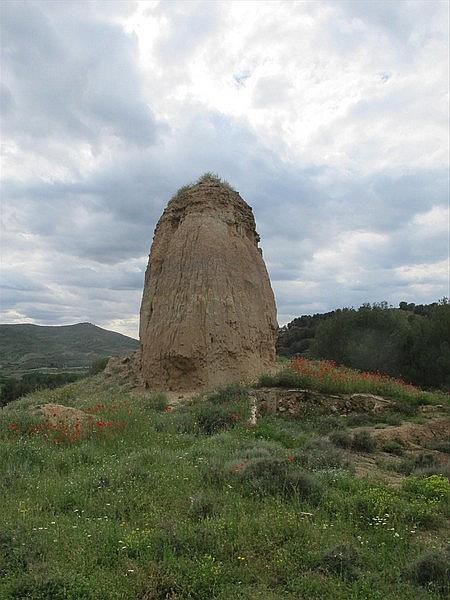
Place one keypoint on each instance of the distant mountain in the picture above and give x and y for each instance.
(25, 347)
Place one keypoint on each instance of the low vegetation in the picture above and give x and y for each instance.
(151, 501)
(328, 377)
(12, 388)
(207, 177)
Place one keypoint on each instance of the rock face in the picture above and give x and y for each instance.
(208, 314)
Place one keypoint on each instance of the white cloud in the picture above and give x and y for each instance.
(329, 117)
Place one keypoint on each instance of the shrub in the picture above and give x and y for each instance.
(436, 469)
(259, 449)
(440, 446)
(419, 463)
(343, 439)
(373, 501)
(286, 378)
(358, 419)
(341, 560)
(328, 423)
(432, 488)
(212, 418)
(270, 432)
(229, 393)
(363, 442)
(392, 419)
(406, 406)
(99, 365)
(201, 506)
(422, 512)
(393, 447)
(157, 402)
(209, 176)
(179, 421)
(319, 453)
(277, 476)
(431, 568)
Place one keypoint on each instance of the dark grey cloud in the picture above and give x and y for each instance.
(68, 76)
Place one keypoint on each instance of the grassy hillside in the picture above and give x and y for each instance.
(25, 347)
(148, 501)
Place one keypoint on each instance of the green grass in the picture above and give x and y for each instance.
(179, 505)
(329, 378)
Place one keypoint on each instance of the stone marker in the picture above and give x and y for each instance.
(208, 314)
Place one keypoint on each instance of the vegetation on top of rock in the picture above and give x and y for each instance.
(207, 177)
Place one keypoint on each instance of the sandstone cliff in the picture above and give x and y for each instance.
(208, 314)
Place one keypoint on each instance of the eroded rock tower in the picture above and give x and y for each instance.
(208, 314)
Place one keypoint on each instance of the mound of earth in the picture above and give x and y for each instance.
(411, 435)
(57, 414)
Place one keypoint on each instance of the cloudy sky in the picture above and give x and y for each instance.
(328, 116)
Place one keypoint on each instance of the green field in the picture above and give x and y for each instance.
(154, 503)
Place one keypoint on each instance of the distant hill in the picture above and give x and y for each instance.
(25, 347)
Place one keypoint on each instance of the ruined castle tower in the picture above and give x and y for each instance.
(208, 314)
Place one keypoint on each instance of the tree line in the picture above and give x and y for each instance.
(411, 342)
(12, 388)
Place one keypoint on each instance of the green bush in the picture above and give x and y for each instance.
(328, 423)
(229, 393)
(342, 560)
(285, 378)
(201, 506)
(269, 431)
(363, 442)
(259, 449)
(157, 402)
(433, 488)
(319, 454)
(277, 476)
(359, 419)
(212, 418)
(431, 569)
(343, 439)
(440, 446)
(393, 447)
(374, 501)
(99, 365)
(419, 462)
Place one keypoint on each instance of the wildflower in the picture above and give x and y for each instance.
(290, 457)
